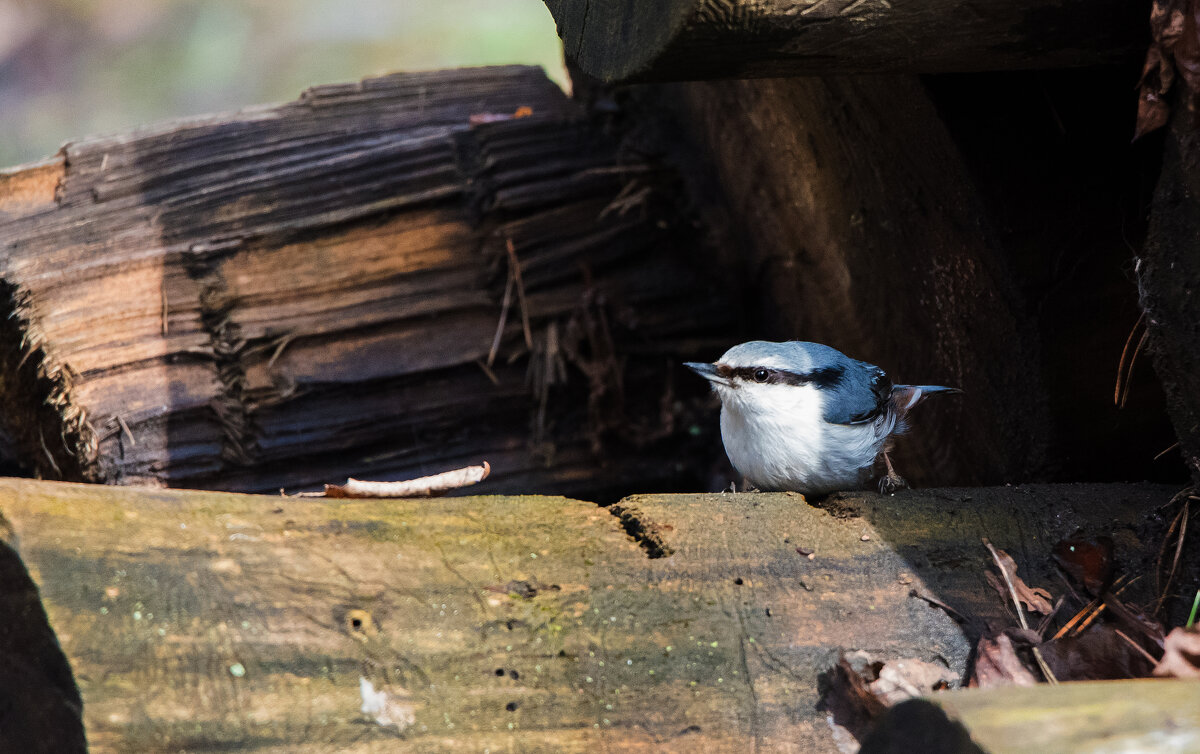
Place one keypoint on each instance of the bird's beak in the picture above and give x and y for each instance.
(707, 371)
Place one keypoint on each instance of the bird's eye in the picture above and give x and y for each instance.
(761, 375)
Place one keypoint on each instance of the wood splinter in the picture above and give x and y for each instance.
(426, 486)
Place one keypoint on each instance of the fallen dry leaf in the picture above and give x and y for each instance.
(853, 689)
(997, 664)
(1181, 655)
(1174, 49)
(900, 680)
(849, 700)
(860, 689)
(1088, 560)
(1035, 599)
(1100, 653)
(1152, 109)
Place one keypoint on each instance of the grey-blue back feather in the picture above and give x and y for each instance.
(859, 397)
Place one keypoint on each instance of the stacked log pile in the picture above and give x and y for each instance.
(423, 271)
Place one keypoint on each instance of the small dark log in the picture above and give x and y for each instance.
(706, 39)
(293, 295)
(1169, 279)
(1137, 715)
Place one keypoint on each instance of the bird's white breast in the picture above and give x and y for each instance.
(774, 436)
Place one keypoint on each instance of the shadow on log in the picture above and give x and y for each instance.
(40, 707)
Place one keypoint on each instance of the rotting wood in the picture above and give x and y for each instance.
(708, 39)
(200, 620)
(30, 188)
(845, 215)
(1168, 275)
(1128, 716)
(297, 294)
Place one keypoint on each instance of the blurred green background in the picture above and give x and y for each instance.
(71, 68)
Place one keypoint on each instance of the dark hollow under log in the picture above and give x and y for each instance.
(1069, 197)
(291, 295)
(707, 39)
(844, 215)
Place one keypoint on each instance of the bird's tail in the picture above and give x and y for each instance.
(906, 397)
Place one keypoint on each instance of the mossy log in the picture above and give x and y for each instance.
(198, 620)
(709, 39)
(1147, 715)
(295, 294)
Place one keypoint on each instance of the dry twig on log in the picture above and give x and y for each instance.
(426, 486)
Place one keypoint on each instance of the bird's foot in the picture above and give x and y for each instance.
(890, 482)
(746, 487)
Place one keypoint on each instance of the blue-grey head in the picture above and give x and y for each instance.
(762, 378)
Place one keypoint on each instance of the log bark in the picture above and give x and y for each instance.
(201, 620)
(296, 294)
(1169, 276)
(709, 39)
(844, 215)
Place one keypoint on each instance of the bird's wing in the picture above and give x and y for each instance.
(907, 397)
(860, 397)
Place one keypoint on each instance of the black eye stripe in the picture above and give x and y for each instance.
(825, 377)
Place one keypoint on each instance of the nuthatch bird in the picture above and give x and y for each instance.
(807, 418)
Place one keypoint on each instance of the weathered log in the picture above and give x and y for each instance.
(707, 39)
(209, 620)
(1127, 716)
(847, 217)
(296, 294)
(1169, 277)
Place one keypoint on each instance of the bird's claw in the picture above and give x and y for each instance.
(891, 482)
(746, 487)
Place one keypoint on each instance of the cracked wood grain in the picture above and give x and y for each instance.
(201, 620)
